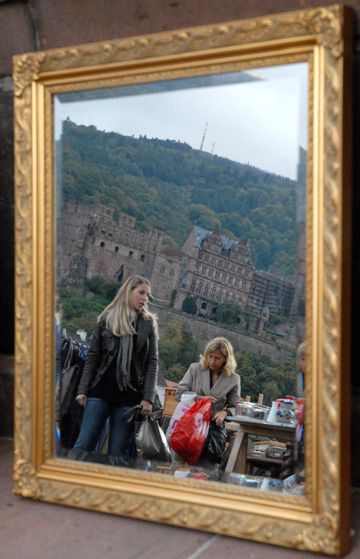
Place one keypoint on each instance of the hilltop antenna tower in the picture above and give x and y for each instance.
(203, 138)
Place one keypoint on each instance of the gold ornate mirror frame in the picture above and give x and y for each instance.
(320, 520)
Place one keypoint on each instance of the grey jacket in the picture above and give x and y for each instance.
(226, 389)
(103, 349)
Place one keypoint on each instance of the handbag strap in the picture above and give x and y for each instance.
(131, 415)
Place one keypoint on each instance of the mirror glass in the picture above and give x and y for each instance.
(198, 184)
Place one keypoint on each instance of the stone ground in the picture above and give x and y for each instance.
(31, 529)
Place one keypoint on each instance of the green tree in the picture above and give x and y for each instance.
(106, 289)
(227, 313)
(189, 305)
(173, 298)
(177, 350)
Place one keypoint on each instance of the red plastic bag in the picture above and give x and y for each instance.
(189, 435)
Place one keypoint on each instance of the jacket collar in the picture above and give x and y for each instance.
(218, 383)
(143, 331)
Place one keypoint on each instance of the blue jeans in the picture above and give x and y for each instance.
(96, 413)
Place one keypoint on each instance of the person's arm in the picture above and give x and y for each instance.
(186, 385)
(151, 374)
(233, 397)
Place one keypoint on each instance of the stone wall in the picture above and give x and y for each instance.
(204, 330)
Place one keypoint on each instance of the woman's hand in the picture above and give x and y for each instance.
(146, 407)
(219, 417)
(81, 399)
(203, 397)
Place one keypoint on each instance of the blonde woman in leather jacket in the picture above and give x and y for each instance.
(121, 368)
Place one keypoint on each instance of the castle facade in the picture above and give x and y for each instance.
(209, 267)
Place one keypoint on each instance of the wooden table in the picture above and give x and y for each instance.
(245, 426)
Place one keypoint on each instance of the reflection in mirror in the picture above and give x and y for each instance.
(199, 185)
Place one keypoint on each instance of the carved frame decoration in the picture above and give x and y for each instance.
(322, 37)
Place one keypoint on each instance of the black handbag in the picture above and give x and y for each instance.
(150, 440)
(69, 380)
(214, 446)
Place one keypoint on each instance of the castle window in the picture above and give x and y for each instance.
(226, 265)
(102, 231)
(110, 234)
(192, 286)
(200, 287)
(219, 295)
(220, 263)
(116, 249)
(172, 272)
(212, 294)
(204, 270)
(206, 293)
(162, 269)
(142, 258)
(131, 254)
(203, 306)
(211, 272)
(102, 244)
(227, 296)
(233, 299)
(206, 258)
(217, 275)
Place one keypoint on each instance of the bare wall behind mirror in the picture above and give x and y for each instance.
(198, 184)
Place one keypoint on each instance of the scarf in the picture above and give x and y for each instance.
(123, 362)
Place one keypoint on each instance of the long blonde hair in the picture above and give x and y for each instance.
(120, 315)
(226, 349)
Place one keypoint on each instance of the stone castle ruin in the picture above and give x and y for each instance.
(209, 268)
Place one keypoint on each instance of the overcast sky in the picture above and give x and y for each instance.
(262, 122)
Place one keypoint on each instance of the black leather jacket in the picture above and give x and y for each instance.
(103, 349)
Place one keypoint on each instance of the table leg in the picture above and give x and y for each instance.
(234, 451)
(240, 466)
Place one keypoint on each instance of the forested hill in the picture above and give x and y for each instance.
(170, 185)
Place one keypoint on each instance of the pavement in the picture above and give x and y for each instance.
(31, 529)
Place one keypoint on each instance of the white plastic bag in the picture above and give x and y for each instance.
(186, 401)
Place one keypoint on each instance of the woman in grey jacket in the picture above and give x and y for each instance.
(121, 368)
(214, 377)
